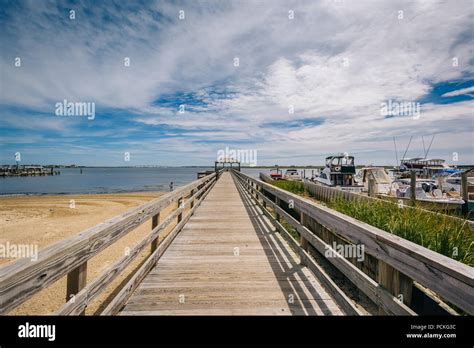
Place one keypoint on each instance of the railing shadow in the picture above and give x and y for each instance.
(286, 263)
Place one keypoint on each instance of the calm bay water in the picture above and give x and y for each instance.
(105, 180)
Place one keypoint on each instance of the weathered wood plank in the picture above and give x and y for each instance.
(21, 279)
(214, 266)
(154, 223)
(339, 296)
(452, 280)
(76, 280)
(369, 287)
(118, 301)
(93, 289)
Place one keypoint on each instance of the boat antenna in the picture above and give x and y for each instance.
(407, 147)
(429, 147)
(424, 148)
(396, 152)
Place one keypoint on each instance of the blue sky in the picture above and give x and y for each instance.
(304, 87)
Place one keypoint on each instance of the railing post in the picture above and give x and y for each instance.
(277, 202)
(465, 193)
(180, 215)
(155, 220)
(192, 199)
(395, 282)
(76, 280)
(303, 241)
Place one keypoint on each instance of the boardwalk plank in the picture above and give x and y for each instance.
(224, 263)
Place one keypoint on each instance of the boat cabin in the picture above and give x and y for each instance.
(339, 171)
(427, 168)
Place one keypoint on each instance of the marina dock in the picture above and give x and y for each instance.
(240, 246)
(26, 171)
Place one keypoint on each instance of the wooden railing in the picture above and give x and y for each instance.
(21, 279)
(399, 262)
(326, 194)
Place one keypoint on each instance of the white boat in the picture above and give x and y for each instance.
(339, 172)
(292, 175)
(452, 182)
(426, 190)
(426, 167)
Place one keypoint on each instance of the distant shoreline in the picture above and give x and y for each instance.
(12, 195)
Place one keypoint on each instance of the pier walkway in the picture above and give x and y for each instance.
(230, 244)
(227, 260)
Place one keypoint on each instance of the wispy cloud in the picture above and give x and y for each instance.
(459, 92)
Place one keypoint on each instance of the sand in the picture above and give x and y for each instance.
(44, 220)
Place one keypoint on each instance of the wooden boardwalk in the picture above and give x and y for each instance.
(222, 255)
(229, 260)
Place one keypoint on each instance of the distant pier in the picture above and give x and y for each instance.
(25, 170)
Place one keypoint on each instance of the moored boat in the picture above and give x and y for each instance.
(426, 168)
(339, 172)
(276, 174)
(292, 175)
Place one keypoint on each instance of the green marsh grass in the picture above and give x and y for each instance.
(452, 237)
(438, 232)
(291, 186)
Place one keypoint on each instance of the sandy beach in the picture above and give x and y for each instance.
(44, 220)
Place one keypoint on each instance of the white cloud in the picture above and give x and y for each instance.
(299, 62)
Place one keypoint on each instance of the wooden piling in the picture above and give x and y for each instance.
(465, 193)
(371, 186)
(413, 187)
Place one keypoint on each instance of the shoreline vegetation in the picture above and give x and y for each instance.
(441, 233)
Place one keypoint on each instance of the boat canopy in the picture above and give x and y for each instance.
(379, 174)
(340, 160)
(424, 161)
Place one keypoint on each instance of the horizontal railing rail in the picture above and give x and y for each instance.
(448, 278)
(326, 194)
(23, 278)
(337, 294)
